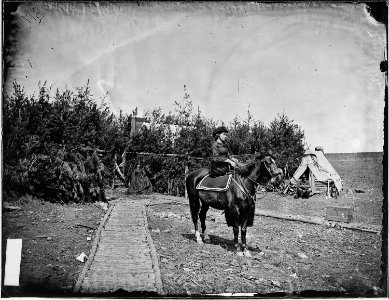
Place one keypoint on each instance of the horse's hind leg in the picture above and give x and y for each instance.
(236, 240)
(235, 227)
(203, 215)
(194, 204)
(243, 231)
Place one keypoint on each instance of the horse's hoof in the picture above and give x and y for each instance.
(247, 253)
(207, 240)
(239, 253)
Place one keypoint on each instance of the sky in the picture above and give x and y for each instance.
(318, 64)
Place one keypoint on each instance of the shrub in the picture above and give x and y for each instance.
(63, 147)
(286, 140)
(49, 144)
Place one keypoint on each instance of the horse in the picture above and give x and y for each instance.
(238, 202)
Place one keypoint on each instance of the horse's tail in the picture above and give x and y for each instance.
(194, 201)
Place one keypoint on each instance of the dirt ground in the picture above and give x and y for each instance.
(53, 236)
(292, 258)
(288, 257)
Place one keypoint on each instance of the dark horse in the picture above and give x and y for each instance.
(238, 202)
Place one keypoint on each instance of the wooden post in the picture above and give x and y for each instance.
(114, 172)
(186, 175)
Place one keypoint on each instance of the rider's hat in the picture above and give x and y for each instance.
(219, 130)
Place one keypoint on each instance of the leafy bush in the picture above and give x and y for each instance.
(286, 140)
(49, 143)
(63, 147)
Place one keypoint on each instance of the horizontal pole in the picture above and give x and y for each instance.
(165, 154)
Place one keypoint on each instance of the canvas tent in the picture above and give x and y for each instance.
(319, 172)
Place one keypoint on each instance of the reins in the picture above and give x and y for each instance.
(256, 184)
(241, 186)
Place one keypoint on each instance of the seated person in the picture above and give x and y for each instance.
(334, 193)
(221, 160)
(303, 188)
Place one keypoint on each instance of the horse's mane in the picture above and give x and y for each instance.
(245, 169)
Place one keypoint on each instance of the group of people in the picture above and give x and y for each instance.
(222, 163)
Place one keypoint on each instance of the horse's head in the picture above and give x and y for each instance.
(269, 170)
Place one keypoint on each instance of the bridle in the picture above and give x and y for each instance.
(257, 185)
(271, 173)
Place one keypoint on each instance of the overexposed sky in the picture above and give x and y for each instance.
(317, 63)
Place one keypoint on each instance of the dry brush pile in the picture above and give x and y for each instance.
(61, 177)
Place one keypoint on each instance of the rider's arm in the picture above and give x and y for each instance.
(231, 162)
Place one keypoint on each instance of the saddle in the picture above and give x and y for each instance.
(215, 184)
(219, 168)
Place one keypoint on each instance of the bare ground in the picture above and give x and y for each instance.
(288, 257)
(53, 236)
(292, 258)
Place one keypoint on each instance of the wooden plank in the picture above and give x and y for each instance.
(97, 274)
(99, 289)
(124, 234)
(114, 233)
(120, 236)
(140, 233)
(106, 249)
(154, 258)
(120, 244)
(121, 278)
(130, 212)
(138, 229)
(131, 265)
(93, 250)
(126, 221)
(124, 258)
(128, 258)
(121, 224)
(125, 243)
(115, 283)
(315, 220)
(136, 232)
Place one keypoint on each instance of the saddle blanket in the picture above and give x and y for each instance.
(215, 184)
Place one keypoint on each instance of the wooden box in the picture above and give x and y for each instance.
(340, 214)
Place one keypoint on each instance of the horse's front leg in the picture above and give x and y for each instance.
(243, 231)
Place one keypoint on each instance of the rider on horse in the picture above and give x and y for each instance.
(221, 159)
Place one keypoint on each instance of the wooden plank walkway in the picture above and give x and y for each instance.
(123, 255)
